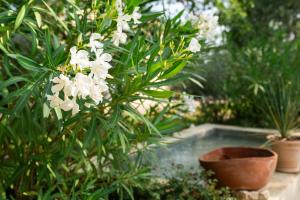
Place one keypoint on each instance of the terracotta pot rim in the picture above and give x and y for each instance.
(278, 138)
(273, 155)
(283, 140)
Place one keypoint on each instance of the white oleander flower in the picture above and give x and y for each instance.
(99, 72)
(119, 38)
(83, 84)
(63, 83)
(119, 6)
(208, 25)
(94, 43)
(136, 16)
(92, 16)
(79, 58)
(69, 104)
(190, 103)
(54, 101)
(96, 93)
(122, 22)
(102, 84)
(70, 90)
(100, 66)
(103, 57)
(194, 45)
(80, 12)
(60, 83)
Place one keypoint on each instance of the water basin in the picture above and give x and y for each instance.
(187, 150)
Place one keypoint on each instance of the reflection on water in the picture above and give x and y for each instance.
(187, 151)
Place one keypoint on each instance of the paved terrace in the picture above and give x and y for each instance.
(282, 186)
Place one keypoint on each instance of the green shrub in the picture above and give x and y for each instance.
(72, 74)
(185, 184)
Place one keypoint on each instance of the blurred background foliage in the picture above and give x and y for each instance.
(260, 45)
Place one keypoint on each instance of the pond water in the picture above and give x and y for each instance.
(186, 151)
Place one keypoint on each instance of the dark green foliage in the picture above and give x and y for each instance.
(50, 154)
(259, 45)
(184, 185)
(282, 105)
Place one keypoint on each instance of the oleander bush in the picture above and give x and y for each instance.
(73, 76)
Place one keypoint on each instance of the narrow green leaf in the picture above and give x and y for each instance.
(46, 110)
(58, 113)
(38, 18)
(52, 12)
(159, 93)
(171, 81)
(27, 63)
(173, 70)
(3, 49)
(129, 192)
(20, 16)
(91, 131)
(22, 102)
(11, 81)
(122, 140)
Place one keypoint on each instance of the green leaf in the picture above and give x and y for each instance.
(173, 70)
(52, 12)
(38, 19)
(20, 16)
(27, 63)
(129, 192)
(22, 102)
(167, 28)
(115, 116)
(171, 81)
(91, 131)
(11, 81)
(151, 16)
(123, 140)
(3, 49)
(58, 113)
(138, 116)
(46, 110)
(159, 93)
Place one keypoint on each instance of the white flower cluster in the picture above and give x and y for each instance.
(190, 103)
(67, 90)
(207, 23)
(82, 86)
(209, 28)
(119, 37)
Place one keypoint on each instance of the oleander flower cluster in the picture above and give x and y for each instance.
(67, 90)
(190, 103)
(90, 68)
(207, 24)
(119, 36)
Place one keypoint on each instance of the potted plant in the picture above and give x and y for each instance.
(235, 167)
(281, 106)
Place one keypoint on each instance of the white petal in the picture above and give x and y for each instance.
(106, 57)
(73, 50)
(96, 36)
(57, 88)
(194, 45)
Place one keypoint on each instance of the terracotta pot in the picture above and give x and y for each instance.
(244, 168)
(288, 155)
